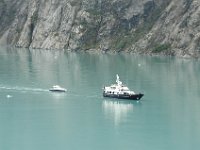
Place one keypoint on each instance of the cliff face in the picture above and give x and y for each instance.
(143, 26)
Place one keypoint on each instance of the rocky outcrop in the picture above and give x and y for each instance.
(176, 32)
(169, 27)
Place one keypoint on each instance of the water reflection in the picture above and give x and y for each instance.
(117, 110)
(58, 96)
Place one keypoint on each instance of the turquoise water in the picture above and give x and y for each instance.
(32, 118)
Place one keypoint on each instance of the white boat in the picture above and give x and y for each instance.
(120, 91)
(57, 88)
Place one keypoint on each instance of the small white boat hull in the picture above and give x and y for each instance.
(57, 88)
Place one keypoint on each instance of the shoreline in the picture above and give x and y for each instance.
(139, 53)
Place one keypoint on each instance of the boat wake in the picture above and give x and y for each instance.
(23, 89)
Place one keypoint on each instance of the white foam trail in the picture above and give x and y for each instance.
(8, 96)
(24, 89)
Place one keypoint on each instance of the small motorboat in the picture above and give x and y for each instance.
(120, 91)
(57, 88)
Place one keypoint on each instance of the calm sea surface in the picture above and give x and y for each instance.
(32, 118)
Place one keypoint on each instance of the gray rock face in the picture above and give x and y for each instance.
(169, 27)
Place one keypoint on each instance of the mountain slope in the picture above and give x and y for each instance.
(168, 27)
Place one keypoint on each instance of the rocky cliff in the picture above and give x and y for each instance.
(169, 27)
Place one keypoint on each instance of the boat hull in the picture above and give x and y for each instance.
(129, 97)
(53, 90)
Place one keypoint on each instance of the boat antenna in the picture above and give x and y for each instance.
(118, 81)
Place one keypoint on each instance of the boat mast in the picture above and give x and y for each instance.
(119, 83)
